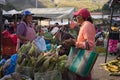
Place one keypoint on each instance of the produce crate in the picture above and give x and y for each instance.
(8, 47)
(50, 75)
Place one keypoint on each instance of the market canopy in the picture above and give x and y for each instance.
(12, 12)
(4, 12)
(53, 13)
(2, 2)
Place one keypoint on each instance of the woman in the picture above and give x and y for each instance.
(86, 36)
(25, 30)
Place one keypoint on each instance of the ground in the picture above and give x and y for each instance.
(98, 73)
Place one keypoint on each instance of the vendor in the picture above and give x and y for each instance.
(25, 30)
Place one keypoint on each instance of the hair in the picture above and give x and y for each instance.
(57, 23)
(38, 28)
(89, 19)
(23, 18)
(115, 24)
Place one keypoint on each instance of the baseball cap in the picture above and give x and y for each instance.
(26, 12)
(82, 12)
(54, 30)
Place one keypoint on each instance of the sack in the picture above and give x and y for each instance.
(81, 61)
(50, 75)
(24, 70)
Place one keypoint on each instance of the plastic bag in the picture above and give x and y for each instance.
(40, 43)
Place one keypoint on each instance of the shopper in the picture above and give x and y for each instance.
(86, 35)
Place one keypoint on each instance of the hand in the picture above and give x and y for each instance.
(74, 41)
(69, 42)
(26, 41)
(77, 45)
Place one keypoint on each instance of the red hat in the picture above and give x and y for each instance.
(83, 12)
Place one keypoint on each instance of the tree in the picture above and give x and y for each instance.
(107, 6)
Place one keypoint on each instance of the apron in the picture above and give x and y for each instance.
(30, 35)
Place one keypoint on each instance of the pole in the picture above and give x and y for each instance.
(36, 4)
(0, 30)
(112, 10)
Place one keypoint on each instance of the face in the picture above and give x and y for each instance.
(29, 18)
(41, 32)
(79, 19)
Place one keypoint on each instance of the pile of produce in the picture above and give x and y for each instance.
(30, 56)
(50, 62)
(113, 67)
(100, 49)
(47, 35)
(115, 28)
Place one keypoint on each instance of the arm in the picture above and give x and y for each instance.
(88, 35)
(7, 63)
(21, 32)
(22, 38)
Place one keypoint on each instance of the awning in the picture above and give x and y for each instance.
(53, 13)
(2, 2)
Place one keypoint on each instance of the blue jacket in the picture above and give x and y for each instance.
(12, 65)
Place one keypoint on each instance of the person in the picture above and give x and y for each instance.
(6, 26)
(99, 38)
(113, 40)
(60, 37)
(99, 34)
(9, 67)
(25, 30)
(86, 35)
(55, 29)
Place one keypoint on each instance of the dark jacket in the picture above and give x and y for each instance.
(64, 49)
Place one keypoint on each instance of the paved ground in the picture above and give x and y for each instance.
(98, 73)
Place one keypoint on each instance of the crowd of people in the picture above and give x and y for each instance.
(27, 32)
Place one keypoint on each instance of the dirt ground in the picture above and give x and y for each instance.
(98, 73)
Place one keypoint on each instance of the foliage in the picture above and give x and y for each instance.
(92, 5)
(106, 8)
(8, 6)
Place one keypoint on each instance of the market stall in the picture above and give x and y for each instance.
(53, 13)
(112, 5)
